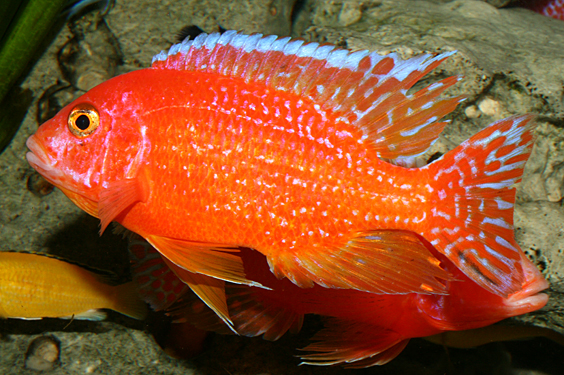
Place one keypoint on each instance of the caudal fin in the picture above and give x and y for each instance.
(472, 205)
(128, 303)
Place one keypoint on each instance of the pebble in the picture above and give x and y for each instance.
(472, 112)
(92, 55)
(42, 354)
(38, 185)
(490, 107)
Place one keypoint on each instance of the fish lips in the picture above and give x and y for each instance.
(41, 162)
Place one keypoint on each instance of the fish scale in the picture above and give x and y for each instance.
(343, 177)
(211, 214)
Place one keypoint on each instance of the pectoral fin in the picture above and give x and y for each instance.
(119, 195)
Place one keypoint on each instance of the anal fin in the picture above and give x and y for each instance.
(379, 261)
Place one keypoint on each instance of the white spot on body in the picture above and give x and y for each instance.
(417, 221)
(442, 194)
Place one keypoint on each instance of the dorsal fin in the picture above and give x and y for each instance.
(362, 88)
(105, 276)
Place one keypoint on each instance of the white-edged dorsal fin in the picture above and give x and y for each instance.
(361, 88)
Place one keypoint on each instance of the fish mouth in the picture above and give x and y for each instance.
(39, 159)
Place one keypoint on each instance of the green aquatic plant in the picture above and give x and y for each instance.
(24, 25)
(25, 28)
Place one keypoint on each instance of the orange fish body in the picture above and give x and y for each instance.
(299, 152)
(36, 286)
(363, 329)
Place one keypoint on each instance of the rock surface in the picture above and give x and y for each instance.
(507, 69)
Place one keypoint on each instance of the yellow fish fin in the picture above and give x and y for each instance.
(379, 261)
(219, 261)
(353, 344)
(211, 291)
(128, 302)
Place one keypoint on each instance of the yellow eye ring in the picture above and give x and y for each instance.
(83, 120)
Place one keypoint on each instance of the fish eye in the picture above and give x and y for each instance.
(83, 120)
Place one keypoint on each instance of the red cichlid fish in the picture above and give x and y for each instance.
(157, 285)
(550, 8)
(299, 151)
(365, 329)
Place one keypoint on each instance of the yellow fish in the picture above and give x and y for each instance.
(34, 286)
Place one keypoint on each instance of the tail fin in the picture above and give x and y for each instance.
(128, 303)
(472, 204)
